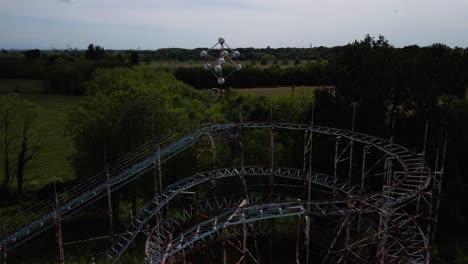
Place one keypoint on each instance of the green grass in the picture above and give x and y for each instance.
(307, 91)
(23, 86)
(173, 64)
(199, 63)
(52, 161)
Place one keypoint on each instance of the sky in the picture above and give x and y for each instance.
(154, 24)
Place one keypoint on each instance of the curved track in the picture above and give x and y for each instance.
(410, 184)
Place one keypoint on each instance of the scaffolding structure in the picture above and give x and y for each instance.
(380, 199)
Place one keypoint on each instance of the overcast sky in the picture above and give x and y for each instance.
(153, 24)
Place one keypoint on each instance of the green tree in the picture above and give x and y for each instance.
(89, 54)
(134, 58)
(32, 54)
(126, 108)
(21, 139)
(95, 53)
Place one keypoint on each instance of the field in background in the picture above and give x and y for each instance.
(23, 86)
(307, 91)
(199, 63)
(52, 161)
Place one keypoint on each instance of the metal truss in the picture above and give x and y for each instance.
(409, 186)
(155, 205)
(163, 247)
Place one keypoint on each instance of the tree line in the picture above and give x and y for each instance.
(432, 70)
(66, 71)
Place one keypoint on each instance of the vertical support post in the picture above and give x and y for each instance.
(244, 241)
(213, 152)
(241, 143)
(392, 127)
(309, 191)
(363, 178)
(272, 147)
(388, 171)
(383, 231)
(158, 190)
(351, 145)
(438, 188)
(307, 162)
(298, 240)
(109, 198)
(425, 140)
(418, 202)
(155, 171)
(224, 247)
(335, 166)
(346, 242)
(184, 260)
(58, 230)
(3, 249)
(157, 176)
(307, 187)
(270, 240)
(385, 214)
(363, 172)
(306, 236)
(160, 171)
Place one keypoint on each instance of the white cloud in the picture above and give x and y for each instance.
(259, 22)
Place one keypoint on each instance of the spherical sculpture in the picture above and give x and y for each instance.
(215, 59)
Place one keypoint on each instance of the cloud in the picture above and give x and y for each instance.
(188, 23)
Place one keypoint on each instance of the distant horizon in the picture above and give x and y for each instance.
(30, 47)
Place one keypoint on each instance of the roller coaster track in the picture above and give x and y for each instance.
(156, 204)
(164, 245)
(414, 179)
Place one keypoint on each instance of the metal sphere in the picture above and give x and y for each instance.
(221, 41)
(207, 66)
(236, 54)
(224, 53)
(218, 68)
(221, 61)
(239, 67)
(221, 80)
(203, 53)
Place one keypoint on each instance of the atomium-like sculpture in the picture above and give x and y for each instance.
(220, 59)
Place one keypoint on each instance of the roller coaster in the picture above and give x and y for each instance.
(377, 204)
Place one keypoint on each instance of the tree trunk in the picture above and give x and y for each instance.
(20, 167)
(22, 160)
(6, 160)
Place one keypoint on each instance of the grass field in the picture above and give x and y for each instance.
(176, 64)
(52, 160)
(307, 91)
(22, 86)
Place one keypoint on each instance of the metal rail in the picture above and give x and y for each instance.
(413, 180)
